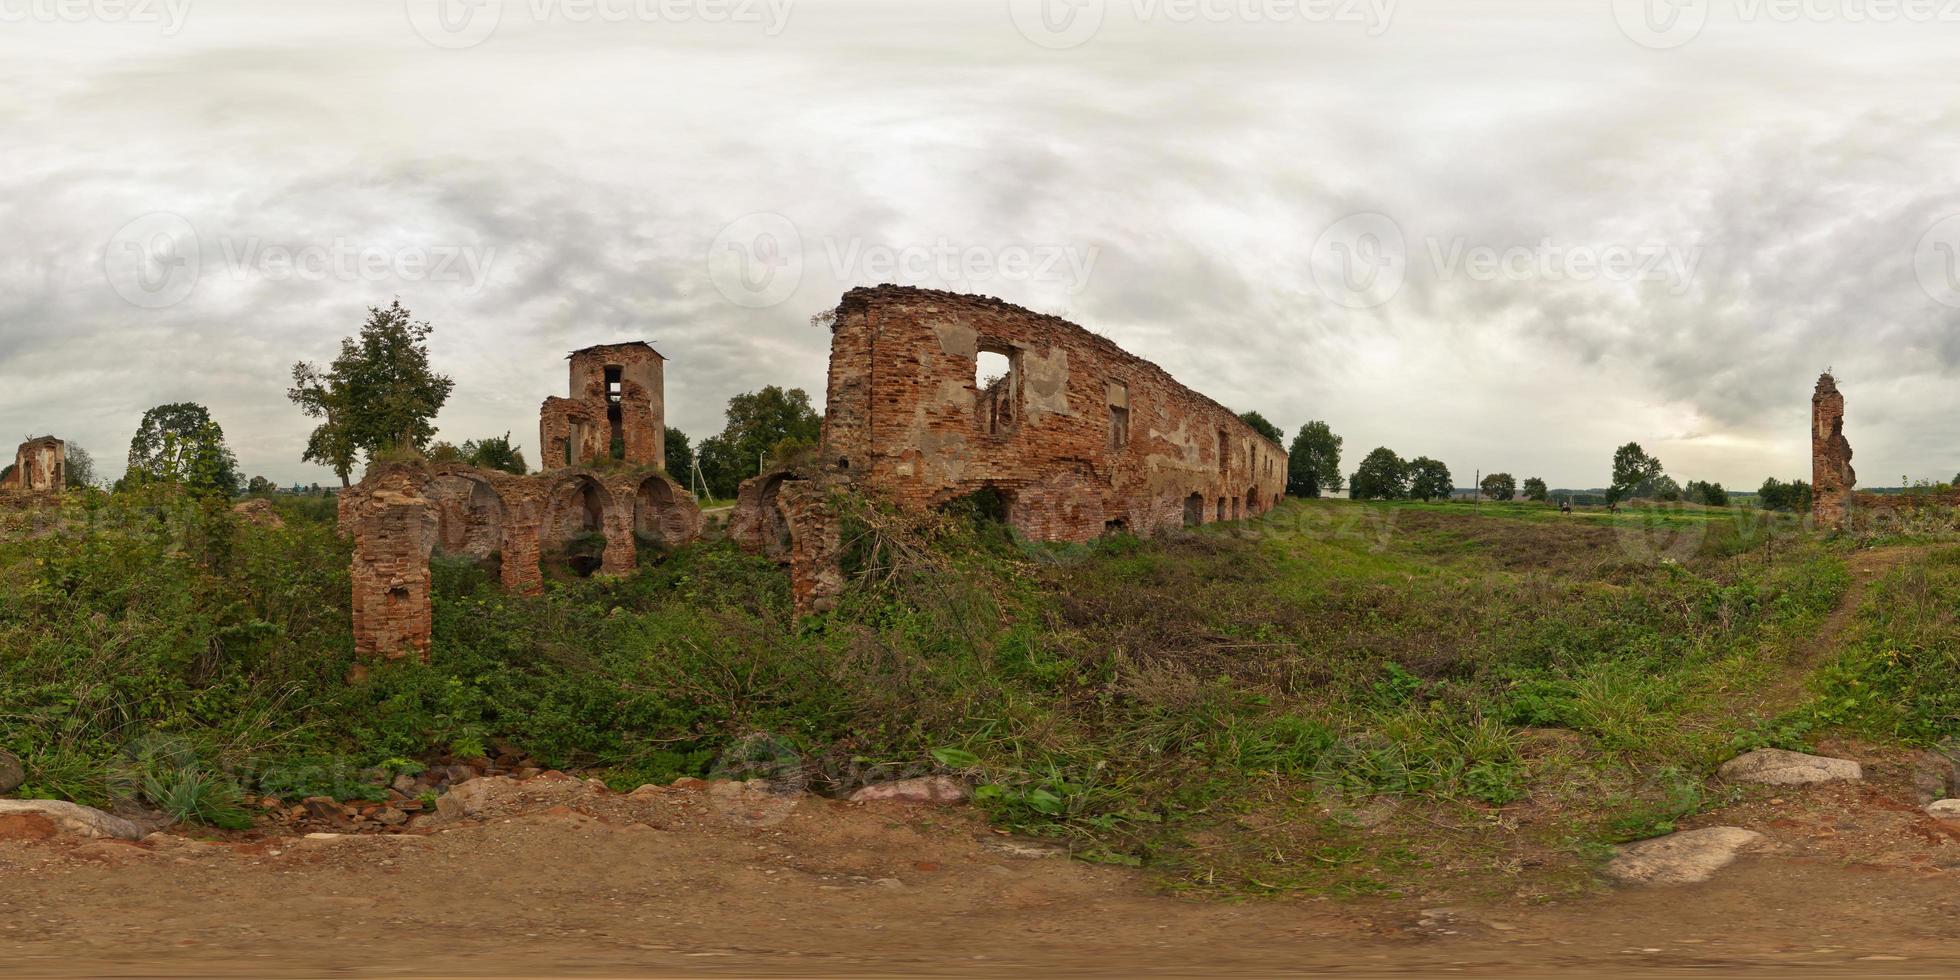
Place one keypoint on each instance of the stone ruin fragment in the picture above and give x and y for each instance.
(40, 468)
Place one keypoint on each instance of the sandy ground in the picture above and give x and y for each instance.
(563, 879)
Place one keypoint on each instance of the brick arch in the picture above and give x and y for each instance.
(658, 515)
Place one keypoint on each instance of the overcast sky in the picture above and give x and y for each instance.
(1509, 235)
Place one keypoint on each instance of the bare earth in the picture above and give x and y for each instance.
(559, 878)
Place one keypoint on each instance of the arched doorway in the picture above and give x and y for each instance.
(1251, 501)
(1194, 510)
(654, 512)
(574, 527)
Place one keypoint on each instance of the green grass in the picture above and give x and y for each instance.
(1339, 698)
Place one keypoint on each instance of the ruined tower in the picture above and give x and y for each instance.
(1831, 476)
(617, 409)
(40, 466)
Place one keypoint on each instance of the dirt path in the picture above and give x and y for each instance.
(570, 881)
(1865, 568)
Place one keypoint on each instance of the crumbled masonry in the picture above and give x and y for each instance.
(1831, 476)
(603, 491)
(40, 467)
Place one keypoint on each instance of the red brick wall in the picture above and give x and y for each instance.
(905, 415)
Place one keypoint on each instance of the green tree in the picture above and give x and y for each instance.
(494, 453)
(1777, 495)
(179, 443)
(1708, 494)
(1381, 476)
(379, 394)
(80, 467)
(1632, 468)
(1429, 479)
(259, 486)
(1535, 489)
(1263, 427)
(1313, 464)
(763, 426)
(1499, 486)
(680, 455)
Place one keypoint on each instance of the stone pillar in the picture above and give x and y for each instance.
(1831, 476)
(622, 550)
(521, 572)
(394, 530)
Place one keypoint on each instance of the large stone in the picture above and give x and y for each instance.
(925, 789)
(1681, 859)
(70, 818)
(1781, 767)
(1944, 809)
(12, 774)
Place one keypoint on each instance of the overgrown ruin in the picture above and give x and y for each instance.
(603, 493)
(40, 467)
(1831, 476)
(936, 396)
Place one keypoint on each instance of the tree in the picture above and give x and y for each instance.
(1499, 486)
(1632, 468)
(1777, 495)
(80, 467)
(680, 455)
(494, 453)
(1429, 479)
(179, 443)
(259, 486)
(771, 424)
(1263, 427)
(379, 394)
(1313, 464)
(1535, 489)
(1381, 476)
(1707, 494)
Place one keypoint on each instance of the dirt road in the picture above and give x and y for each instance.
(561, 879)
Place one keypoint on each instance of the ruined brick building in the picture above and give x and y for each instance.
(601, 494)
(40, 466)
(935, 396)
(1831, 476)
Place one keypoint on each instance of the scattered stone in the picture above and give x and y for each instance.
(690, 784)
(404, 784)
(1681, 859)
(1024, 849)
(1779, 767)
(12, 774)
(69, 818)
(1944, 809)
(391, 816)
(259, 511)
(925, 789)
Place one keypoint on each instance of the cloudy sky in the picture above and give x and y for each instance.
(1510, 235)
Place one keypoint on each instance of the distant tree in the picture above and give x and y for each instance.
(771, 424)
(1661, 487)
(680, 455)
(1632, 467)
(379, 394)
(444, 451)
(1263, 427)
(80, 467)
(1777, 495)
(1429, 479)
(260, 486)
(179, 443)
(1381, 476)
(1707, 494)
(1313, 463)
(1499, 486)
(1535, 489)
(495, 453)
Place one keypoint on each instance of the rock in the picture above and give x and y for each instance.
(925, 789)
(68, 818)
(12, 774)
(259, 511)
(1681, 859)
(690, 784)
(1778, 767)
(405, 785)
(391, 816)
(323, 808)
(474, 797)
(1944, 809)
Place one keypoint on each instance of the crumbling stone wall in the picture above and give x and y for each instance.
(401, 514)
(617, 409)
(1075, 436)
(40, 466)
(1831, 476)
(1078, 436)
